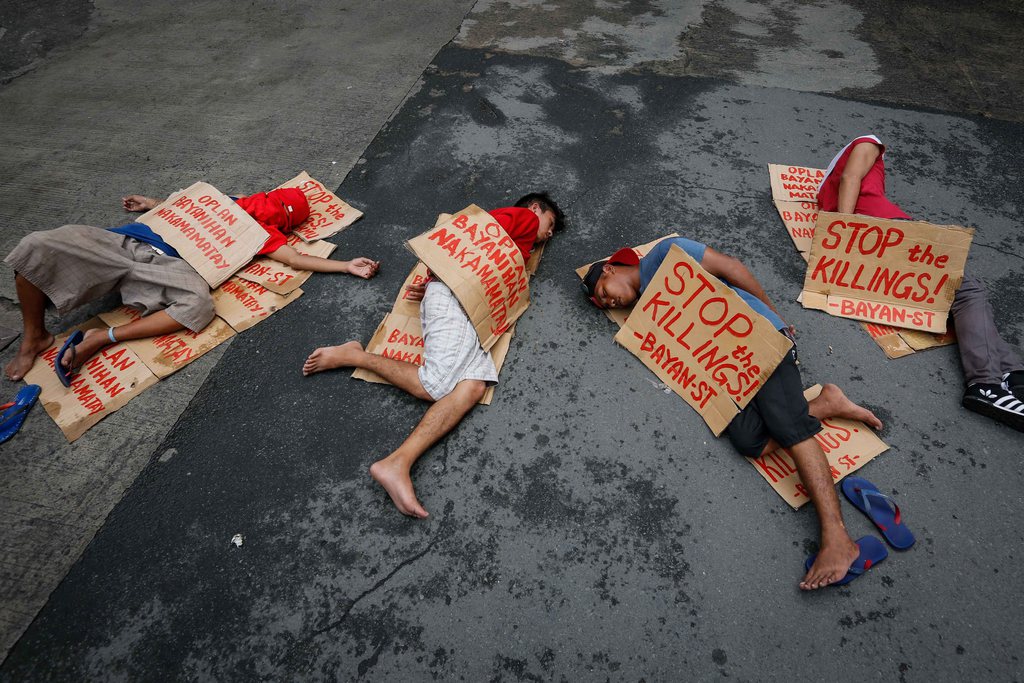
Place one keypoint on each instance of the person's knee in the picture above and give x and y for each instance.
(196, 313)
(748, 443)
(472, 389)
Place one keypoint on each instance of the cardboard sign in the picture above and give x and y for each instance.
(401, 337)
(799, 219)
(328, 215)
(795, 183)
(702, 340)
(898, 273)
(848, 445)
(401, 332)
(897, 343)
(166, 354)
(282, 279)
(481, 264)
(208, 230)
(105, 383)
(619, 315)
(242, 303)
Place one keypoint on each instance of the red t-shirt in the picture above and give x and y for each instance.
(521, 225)
(872, 200)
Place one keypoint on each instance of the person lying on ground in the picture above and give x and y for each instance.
(456, 371)
(75, 264)
(778, 416)
(993, 371)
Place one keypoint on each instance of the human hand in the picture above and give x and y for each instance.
(363, 267)
(136, 203)
(415, 292)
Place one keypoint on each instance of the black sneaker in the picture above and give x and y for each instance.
(991, 400)
(1014, 383)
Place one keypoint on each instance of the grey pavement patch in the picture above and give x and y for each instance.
(149, 97)
(959, 57)
(586, 525)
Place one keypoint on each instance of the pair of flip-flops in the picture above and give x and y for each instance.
(15, 412)
(885, 513)
(70, 346)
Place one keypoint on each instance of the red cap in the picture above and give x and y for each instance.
(283, 209)
(625, 256)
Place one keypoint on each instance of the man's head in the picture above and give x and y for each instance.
(614, 283)
(282, 209)
(550, 216)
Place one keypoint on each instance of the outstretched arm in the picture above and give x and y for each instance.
(136, 203)
(861, 159)
(733, 270)
(360, 267)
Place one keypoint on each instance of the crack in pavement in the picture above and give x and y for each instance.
(369, 591)
(995, 248)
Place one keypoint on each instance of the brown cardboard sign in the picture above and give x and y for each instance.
(896, 342)
(619, 315)
(212, 233)
(481, 264)
(282, 279)
(795, 183)
(400, 337)
(328, 214)
(401, 332)
(899, 273)
(799, 219)
(702, 340)
(848, 445)
(242, 303)
(105, 383)
(168, 353)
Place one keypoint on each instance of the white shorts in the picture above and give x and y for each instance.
(451, 346)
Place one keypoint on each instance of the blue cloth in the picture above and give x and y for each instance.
(144, 233)
(649, 266)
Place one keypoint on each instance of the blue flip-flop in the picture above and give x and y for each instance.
(872, 551)
(884, 513)
(69, 345)
(12, 418)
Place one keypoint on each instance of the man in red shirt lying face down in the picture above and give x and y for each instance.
(456, 371)
(75, 264)
(993, 371)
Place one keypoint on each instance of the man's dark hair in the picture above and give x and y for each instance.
(546, 204)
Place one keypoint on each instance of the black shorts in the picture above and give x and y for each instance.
(778, 411)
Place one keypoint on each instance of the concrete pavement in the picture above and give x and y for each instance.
(110, 98)
(586, 525)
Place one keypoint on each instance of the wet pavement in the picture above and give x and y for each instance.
(586, 525)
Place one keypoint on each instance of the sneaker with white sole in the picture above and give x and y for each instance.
(992, 400)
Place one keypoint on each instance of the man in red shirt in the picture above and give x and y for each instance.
(993, 372)
(456, 371)
(75, 264)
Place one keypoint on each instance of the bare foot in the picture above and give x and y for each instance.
(26, 356)
(830, 565)
(832, 402)
(396, 481)
(91, 343)
(331, 357)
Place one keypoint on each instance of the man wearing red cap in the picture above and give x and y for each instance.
(778, 416)
(76, 264)
(456, 371)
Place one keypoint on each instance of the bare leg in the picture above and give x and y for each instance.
(393, 472)
(832, 402)
(838, 551)
(35, 338)
(152, 325)
(403, 375)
